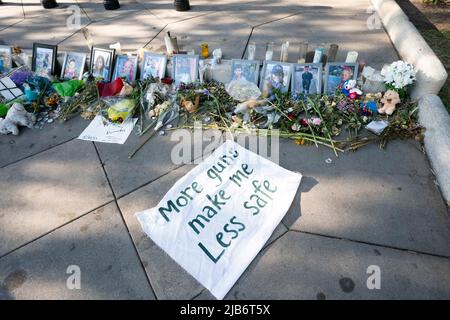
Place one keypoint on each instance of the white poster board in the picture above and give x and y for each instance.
(215, 219)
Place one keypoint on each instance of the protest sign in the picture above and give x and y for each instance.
(216, 218)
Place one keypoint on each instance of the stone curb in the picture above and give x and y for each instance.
(412, 47)
(431, 76)
(434, 117)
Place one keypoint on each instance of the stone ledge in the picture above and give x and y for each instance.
(412, 48)
(434, 116)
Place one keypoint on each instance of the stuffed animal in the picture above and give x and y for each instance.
(389, 101)
(246, 106)
(350, 90)
(16, 116)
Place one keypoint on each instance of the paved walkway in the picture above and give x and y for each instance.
(70, 202)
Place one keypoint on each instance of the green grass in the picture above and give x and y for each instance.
(440, 43)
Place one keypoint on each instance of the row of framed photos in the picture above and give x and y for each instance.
(302, 79)
(103, 63)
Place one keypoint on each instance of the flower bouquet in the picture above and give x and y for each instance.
(399, 76)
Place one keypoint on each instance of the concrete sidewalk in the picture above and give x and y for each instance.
(70, 202)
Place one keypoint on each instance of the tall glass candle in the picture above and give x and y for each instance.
(284, 52)
(332, 52)
(303, 49)
(318, 53)
(352, 56)
(269, 51)
(251, 50)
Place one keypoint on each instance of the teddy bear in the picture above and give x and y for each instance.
(389, 101)
(350, 90)
(16, 116)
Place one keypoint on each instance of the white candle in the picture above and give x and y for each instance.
(352, 57)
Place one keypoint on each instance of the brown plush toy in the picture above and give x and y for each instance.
(389, 101)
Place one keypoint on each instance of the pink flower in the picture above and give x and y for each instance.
(316, 121)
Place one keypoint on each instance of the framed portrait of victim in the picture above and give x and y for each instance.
(275, 75)
(245, 70)
(185, 68)
(126, 67)
(337, 73)
(101, 63)
(73, 66)
(153, 65)
(5, 59)
(44, 59)
(306, 79)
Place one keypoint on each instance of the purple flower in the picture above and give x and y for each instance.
(342, 105)
(19, 77)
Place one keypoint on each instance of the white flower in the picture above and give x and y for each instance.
(399, 74)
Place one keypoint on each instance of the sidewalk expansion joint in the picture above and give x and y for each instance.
(35, 154)
(159, 32)
(56, 228)
(148, 182)
(124, 222)
(373, 244)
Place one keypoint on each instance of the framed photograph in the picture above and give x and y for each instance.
(44, 59)
(337, 73)
(245, 69)
(306, 79)
(154, 65)
(185, 68)
(101, 63)
(126, 67)
(5, 59)
(73, 66)
(275, 75)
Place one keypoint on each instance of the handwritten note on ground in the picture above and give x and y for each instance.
(104, 131)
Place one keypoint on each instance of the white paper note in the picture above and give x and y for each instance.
(104, 131)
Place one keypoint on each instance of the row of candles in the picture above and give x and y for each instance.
(352, 56)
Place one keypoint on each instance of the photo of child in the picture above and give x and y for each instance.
(5, 59)
(306, 80)
(44, 58)
(185, 68)
(73, 67)
(245, 70)
(154, 65)
(337, 74)
(126, 67)
(101, 63)
(276, 75)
